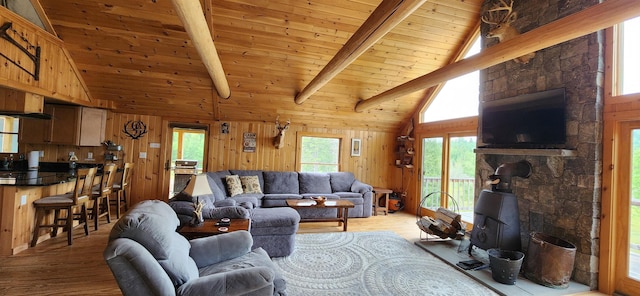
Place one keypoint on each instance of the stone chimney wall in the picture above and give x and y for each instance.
(562, 197)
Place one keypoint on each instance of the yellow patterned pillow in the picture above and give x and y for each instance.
(234, 187)
(250, 184)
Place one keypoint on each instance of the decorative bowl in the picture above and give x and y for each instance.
(319, 200)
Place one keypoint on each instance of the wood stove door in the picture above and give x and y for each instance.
(627, 208)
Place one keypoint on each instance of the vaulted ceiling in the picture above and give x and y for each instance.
(137, 54)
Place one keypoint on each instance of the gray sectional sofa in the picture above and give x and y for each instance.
(273, 223)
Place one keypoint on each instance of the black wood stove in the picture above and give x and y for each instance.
(496, 223)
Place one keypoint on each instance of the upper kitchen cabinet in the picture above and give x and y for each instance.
(69, 125)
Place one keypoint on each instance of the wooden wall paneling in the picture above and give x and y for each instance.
(58, 77)
(145, 178)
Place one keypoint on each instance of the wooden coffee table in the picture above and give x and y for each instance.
(341, 205)
(209, 228)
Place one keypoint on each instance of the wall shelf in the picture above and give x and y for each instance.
(531, 152)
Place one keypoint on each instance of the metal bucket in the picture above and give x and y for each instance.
(549, 260)
(505, 265)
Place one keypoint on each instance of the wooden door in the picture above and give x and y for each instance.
(626, 208)
(174, 148)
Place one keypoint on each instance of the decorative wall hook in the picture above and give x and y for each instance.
(135, 129)
(31, 50)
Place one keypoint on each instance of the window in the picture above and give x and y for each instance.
(462, 92)
(319, 154)
(629, 62)
(9, 128)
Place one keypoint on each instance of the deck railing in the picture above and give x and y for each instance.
(461, 189)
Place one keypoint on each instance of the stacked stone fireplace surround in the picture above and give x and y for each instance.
(563, 195)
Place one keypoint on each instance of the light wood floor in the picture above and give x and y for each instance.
(53, 268)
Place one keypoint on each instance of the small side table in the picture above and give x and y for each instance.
(209, 228)
(384, 193)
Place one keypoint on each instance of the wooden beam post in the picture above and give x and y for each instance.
(386, 16)
(192, 16)
(594, 18)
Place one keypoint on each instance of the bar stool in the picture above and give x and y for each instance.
(100, 195)
(70, 202)
(120, 189)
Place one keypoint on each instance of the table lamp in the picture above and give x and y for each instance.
(198, 185)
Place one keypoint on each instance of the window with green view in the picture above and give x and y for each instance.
(320, 155)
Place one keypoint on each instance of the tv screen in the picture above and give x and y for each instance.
(535, 120)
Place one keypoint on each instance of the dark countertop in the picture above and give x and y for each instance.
(49, 173)
(36, 178)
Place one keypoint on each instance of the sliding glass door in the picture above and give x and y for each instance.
(449, 158)
(627, 209)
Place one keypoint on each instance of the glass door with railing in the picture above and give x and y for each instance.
(449, 158)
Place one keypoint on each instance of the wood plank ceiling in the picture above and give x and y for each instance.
(137, 54)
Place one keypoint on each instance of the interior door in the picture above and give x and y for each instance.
(184, 144)
(627, 211)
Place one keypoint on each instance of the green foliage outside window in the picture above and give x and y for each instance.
(192, 146)
(320, 155)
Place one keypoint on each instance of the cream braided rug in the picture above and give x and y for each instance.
(369, 263)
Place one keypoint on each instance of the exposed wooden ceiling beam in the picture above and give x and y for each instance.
(384, 18)
(592, 19)
(192, 16)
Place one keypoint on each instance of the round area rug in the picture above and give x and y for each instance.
(369, 263)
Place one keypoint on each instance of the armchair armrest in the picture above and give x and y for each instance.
(217, 248)
(235, 212)
(236, 282)
(182, 207)
(227, 202)
(360, 187)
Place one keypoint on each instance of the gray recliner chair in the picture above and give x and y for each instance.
(148, 257)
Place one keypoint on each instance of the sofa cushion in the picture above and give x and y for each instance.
(274, 221)
(281, 183)
(217, 194)
(341, 181)
(219, 178)
(250, 173)
(348, 195)
(314, 183)
(250, 184)
(234, 186)
(153, 224)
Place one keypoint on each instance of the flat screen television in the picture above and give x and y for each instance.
(535, 120)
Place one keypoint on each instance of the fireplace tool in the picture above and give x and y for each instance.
(496, 222)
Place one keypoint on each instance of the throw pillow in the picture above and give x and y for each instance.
(234, 186)
(250, 184)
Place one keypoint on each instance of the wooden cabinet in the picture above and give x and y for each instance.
(405, 152)
(92, 126)
(69, 125)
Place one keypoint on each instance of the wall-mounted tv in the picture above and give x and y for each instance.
(535, 120)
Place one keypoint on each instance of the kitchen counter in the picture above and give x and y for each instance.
(18, 190)
(35, 178)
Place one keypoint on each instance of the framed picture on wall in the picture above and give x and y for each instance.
(356, 146)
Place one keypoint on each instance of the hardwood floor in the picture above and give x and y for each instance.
(53, 268)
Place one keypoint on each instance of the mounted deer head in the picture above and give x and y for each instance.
(501, 17)
(278, 140)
